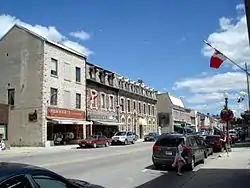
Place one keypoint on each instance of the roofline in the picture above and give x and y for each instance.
(63, 47)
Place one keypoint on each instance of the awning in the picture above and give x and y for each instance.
(107, 123)
(68, 121)
(142, 121)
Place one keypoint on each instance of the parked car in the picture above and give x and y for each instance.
(151, 137)
(233, 134)
(18, 175)
(95, 141)
(135, 136)
(164, 150)
(208, 147)
(215, 142)
(123, 137)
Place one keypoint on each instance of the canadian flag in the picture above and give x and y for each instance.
(217, 59)
(92, 98)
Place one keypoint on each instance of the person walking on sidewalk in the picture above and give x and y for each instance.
(179, 160)
(224, 141)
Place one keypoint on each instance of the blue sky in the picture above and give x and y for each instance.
(158, 41)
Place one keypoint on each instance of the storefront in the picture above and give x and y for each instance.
(104, 123)
(142, 127)
(71, 123)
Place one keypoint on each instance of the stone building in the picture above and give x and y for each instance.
(171, 113)
(137, 106)
(44, 84)
(115, 103)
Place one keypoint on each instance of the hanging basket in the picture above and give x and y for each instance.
(226, 115)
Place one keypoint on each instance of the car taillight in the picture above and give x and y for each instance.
(156, 148)
(186, 149)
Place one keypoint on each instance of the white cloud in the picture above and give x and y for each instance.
(50, 33)
(240, 7)
(231, 39)
(81, 35)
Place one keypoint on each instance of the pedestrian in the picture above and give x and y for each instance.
(179, 161)
(224, 140)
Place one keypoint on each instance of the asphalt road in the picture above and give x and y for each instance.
(131, 166)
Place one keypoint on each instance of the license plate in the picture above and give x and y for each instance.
(82, 145)
(168, 153)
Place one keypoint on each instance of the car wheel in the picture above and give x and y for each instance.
(192, 164)
(133, 142)
(94, 145)
(106, 144)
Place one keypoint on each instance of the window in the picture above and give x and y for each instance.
(54, 67)
(149, 109)
(67, 72)
(78, 101)
(92, 73)
(78, 74)
(46, 181)
(122, 104)
(16, 182)
(111, 79)
(11, 97)
(111, 102)
(129, 105)
(153, 110)
(134, 105)
(93, 99)
(53, 96)
(66, 96)
(139, 106)
(102, 76)
(144, 108)
(102, 100)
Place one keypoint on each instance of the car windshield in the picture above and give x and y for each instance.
(93, 137)
(169, 141)
(150, 134)
(120, 134)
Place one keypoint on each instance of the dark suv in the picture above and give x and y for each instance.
(164, 150)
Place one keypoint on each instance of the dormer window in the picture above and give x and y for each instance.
(102, 76)
(126, 86)
(92, 73)
(111, 79)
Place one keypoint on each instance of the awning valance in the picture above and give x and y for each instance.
(68, 121)
(107, 123)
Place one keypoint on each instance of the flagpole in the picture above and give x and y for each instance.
(248, 88)
(232, 61)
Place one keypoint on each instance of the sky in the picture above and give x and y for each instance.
(160, 42)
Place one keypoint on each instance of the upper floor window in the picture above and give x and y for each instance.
(149, 109)
(144, 108)
(78, 101)
(153, 110)
(53, 96)
(93, 99)
(67, 71)
(134, 105)
(111, 102)
(103, 100)
(67, 99)
(11, 97)
(54, 67)
(78, 74)
(126, 86)
(129, 105)
(111, 79)
(139, 108)
(122, 105)
(92, 73)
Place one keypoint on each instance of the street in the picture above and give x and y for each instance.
(130, 166)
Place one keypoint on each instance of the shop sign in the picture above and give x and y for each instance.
(65, 113)
(102, 117)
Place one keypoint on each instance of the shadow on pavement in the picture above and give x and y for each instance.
(205, 178)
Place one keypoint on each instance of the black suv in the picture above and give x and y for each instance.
(164, 150)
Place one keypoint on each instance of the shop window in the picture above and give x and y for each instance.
(11, 97)
(78, 101)
(53, 96)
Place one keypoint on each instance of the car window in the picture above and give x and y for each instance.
(130, 134)
(16, 182)
(168, 141)
(192, 142)
(120, 134)
(47, 181)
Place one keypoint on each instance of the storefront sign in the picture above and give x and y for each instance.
(102, 117)
(65, 113)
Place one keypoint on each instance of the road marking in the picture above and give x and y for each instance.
(77, 160)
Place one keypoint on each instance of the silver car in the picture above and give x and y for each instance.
(123, 137)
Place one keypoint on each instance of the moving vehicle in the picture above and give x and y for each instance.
(95, 141)
(164, 150)
(151, 137)
(16, 175)
(123, 137)
(215, 142)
